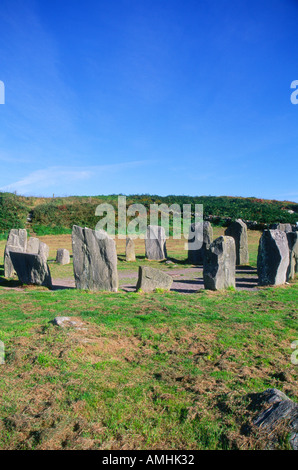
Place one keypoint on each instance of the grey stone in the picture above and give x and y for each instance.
(16, 241)
(293, 255)
(44, 250)
(94, 260)
(65, 322)
(199, 240)
(8, 266)
(130, 249)
(150, 279)
(31, 269)
(238, 230)
(36, 247)
(273, 258)
(219, 264)
(62, 256)
(283, 227)
(33, 246)
(282, 410)
(155, 243)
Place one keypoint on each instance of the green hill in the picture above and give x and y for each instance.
(57, 215)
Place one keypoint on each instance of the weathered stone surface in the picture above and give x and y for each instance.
(67, 322)
(33, 246)
(36, 247)
(8, 266)
(293, 255)
(238, 230)
(199, 240)
(219, 264)
(16, 241)
(62, 256)
(273, 258)
(155, 243)
(31, 269)
(282, 411)
(130, 249)
(44, 250)
(94, 260)
(283, 227)
(150, 279)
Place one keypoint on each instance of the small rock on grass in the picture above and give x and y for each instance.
(67, 322)
(282, 411)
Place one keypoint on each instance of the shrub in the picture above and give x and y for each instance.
(13, 212)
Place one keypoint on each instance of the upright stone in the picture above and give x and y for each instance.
(238, 230)
(36, 247)
(219, 264)
(273, 258)
(130, 249)
(199, 240)
(16, 241)
(94, 260)
(283, 227)
(33, 246)
(62, 256)
(155, 243)
(44, 250)
(293, 255)
(150, 279)
(31, 269)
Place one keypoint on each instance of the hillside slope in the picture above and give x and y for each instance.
(57, 215)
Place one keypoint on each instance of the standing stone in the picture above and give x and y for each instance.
(62, 256)
(36, 247)
(219, 264)
(94, 260)
(130, 249)
(238, 230)
(273, 258)
(283, 227)
(150, 279)
(155, 243)
(293, 255)
(31, 269)
(33, 246)
(199, 240)
(44, 250)
(16, 241)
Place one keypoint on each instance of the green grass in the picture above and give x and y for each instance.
(57, 215)
(41, 230)
(147, 371)
(161, 370)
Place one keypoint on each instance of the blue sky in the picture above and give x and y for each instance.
(149, 96)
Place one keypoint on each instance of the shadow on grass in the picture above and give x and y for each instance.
(58, 287)
(199, 282)
(246, 270)
(250, 280)
(122, 258)
(178, 261)
(128, 288)
(10, 282)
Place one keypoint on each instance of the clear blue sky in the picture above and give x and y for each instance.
(149, 96)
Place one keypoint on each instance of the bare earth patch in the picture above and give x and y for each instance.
(187, 280)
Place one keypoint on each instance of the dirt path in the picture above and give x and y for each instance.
(185, 281)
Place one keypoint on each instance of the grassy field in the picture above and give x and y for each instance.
(143, 371)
